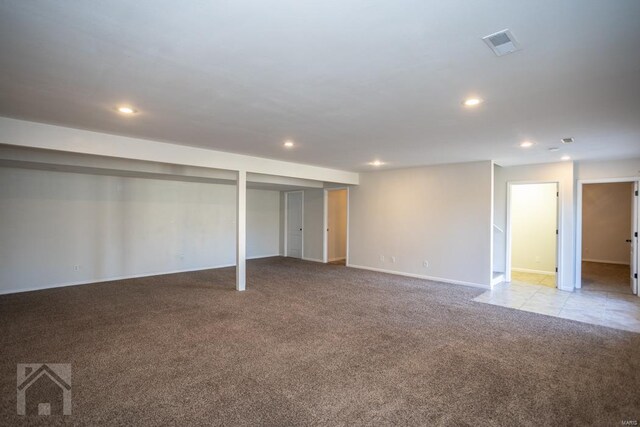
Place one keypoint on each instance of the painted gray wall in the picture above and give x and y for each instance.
(114, 227)
(441, 214)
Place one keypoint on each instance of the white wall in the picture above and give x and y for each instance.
(559, 172)
(114, 227)
(337, 224)
(533, 227)
(606, 222)
(608, 169)
(441, 214)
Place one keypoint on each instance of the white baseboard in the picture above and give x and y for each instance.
(527, 270)
(313, 259)
(420, 276)
(114, 278)
(604, 261)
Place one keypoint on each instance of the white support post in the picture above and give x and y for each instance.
(241, 231)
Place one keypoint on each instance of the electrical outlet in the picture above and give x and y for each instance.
(382, 258)
(76, 268)
(425, 263)
(393, 259)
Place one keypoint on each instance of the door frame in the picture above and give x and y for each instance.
(325, 223)
(286, 219)
(508, 236)
(581, 183)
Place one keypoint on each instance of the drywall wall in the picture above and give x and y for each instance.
(112, 227)
(438, 214)
(563, 173)
(337, 225)
(533, 227)
(608, 169)
(606, 222)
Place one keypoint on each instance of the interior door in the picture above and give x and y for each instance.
(633, 240)
(294, 224)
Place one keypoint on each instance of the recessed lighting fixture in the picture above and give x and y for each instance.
(472, 102)
(567, 140)
(565, 158)
(526, 144)
(554, 149)
(125, 109)
(288, 144)
(376, 163)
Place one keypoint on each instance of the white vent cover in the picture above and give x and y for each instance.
(502, 42)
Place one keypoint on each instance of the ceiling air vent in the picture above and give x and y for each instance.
(567, 140)
(502, 42)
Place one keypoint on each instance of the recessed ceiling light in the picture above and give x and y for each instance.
(472, 102)
(288, 144)
(567, 140)
(526, 144)
(376, 163)
(565, 158)
(554, 149)
(125, 109)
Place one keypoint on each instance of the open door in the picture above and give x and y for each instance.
(633, 240)
(294, 221)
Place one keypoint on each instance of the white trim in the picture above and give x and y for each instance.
(286, 227)
(559, 263)
(116, 278)
(420, 276)
(580, 184)
(604, 261)
(527, 270)
(325, 223)
(313, 260)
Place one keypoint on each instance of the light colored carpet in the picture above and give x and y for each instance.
(312, 344)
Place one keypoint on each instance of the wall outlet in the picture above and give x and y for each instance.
(393, 259)
(425, 264)
(382, 258)
(76, 268)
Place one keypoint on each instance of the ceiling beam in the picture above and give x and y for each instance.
(37, 135)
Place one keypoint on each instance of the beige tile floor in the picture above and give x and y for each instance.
(605, 306)
(534, 278)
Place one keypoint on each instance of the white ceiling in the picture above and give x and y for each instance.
(348, 80)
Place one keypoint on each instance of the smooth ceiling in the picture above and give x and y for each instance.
(349, 81)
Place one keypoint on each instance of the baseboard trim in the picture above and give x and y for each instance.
(312, 259)
(133, 276)
(340, 258)
(420, 276)
(527, 270)
(604, 261)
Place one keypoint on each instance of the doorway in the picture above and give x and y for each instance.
(336, 221)
(294, 224)
(532, 233)
(607, 237)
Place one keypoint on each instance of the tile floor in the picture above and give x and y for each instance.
(607, 306)
(534, 278)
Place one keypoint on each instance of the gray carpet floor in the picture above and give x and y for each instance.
(312, 344)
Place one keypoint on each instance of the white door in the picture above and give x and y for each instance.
(294, 224)
(633, 240)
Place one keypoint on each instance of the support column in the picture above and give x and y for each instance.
(241, 231)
